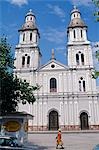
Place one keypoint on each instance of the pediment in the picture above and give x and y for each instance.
(53, 65)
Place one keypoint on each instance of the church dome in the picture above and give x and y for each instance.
(28, 25)
(76, 22)
(30, 20)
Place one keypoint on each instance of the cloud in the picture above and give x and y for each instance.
(18, 2)
(61, 50)
(54, 35)
(81, 2)
(56, 10)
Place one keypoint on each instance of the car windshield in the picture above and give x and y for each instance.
(5, 141)
(96, 147)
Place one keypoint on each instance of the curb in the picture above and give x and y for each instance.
(64, 132)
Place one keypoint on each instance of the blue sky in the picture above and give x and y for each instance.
(52, 17)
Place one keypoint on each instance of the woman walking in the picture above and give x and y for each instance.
(59, 141)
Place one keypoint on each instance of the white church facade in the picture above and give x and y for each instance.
(67, 97)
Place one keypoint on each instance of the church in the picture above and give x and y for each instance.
(68, 97)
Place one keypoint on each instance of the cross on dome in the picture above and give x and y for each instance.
(30, 10)
(75, 7)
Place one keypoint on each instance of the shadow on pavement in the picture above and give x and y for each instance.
(31, 146)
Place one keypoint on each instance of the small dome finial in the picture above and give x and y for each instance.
(53, 56)
(52, 53)
(75, 7)
(30, 10)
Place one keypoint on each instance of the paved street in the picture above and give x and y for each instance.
(72, 141)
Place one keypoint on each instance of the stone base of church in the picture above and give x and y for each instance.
(64, 128)
(38, 128)
(94, 127)
(70, 127)
(77, 127)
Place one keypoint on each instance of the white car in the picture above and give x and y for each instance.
(96, 147)
(7, 142)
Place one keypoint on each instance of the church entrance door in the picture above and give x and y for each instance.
(84, 121)
(53, 120)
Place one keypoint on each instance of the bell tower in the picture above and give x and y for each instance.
(79, 48)
(27, 52)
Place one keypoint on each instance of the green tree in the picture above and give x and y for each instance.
(12, 89)
(97, 55)
(96, 14)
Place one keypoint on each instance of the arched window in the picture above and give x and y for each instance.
(28, 61)
(74, 34)
(36, 38)
(79, 85)
(23, 61)
(82, 59)
(24, 37)
(81, 34)
(77, 59)
(53, 85)
(30, 36)
(82, 85)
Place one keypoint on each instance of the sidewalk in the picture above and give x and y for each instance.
(72, 140)
(67, 132)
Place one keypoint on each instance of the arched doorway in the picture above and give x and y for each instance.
(84, 121)
(53, 120)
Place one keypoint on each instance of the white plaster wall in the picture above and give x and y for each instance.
(67, 106)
